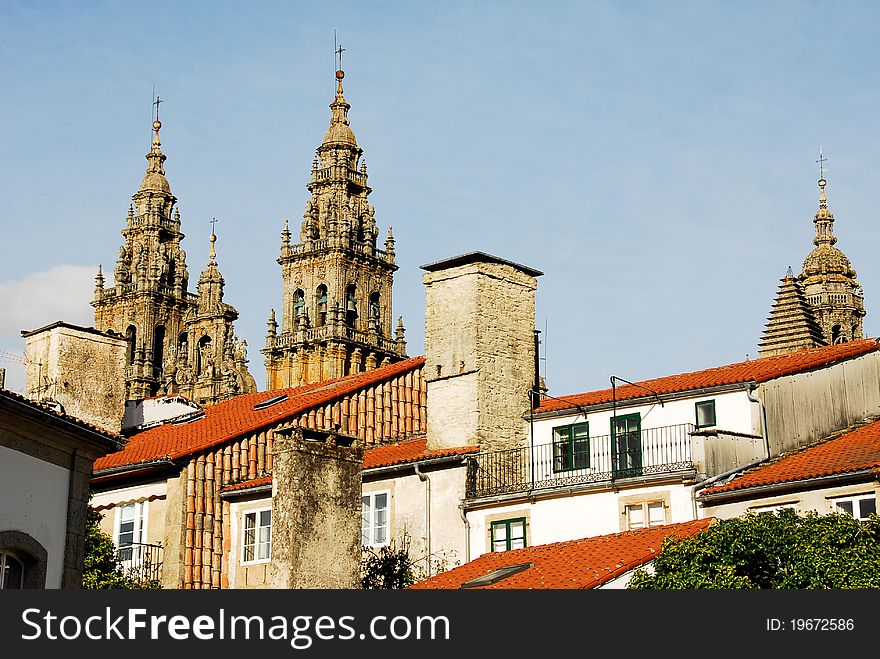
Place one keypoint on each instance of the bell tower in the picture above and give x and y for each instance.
(148, 303)
(336, 283)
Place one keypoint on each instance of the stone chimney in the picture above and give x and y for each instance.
(479, 350)
(80, 368)
(316, 510)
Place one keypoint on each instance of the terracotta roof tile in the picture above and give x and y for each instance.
(584, 563)
(854, 451)
(235, 417)
(407, 451)
(246, 485)
(759, 370)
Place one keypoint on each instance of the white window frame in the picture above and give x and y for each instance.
(646, 512)
(257, 514)
(854, 499)
(368, 534)
(5, 556)
(773, 507)
(141, 515)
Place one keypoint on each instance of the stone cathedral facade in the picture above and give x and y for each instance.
(824, 304)
(336, 283)
(178, 342)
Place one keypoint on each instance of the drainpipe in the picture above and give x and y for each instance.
(750, 388)
(467, 534)
(427, 481)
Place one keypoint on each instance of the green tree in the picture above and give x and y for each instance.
(387, 567)
(101, 568)
(771, 550)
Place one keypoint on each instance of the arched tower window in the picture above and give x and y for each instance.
(321, 297)
(131, 337)
(299, 306)
(183, 346)
(158, 349)
(203, 354)
(375, 310)
(351, 305)
(836, 336)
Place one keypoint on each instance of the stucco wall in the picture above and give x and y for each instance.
(569, 517)
(35, 498)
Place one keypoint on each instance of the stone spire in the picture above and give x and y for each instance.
(791, 325)
(824, 304)
(210, 287)
(336, 282)
(829, 281)
(174, 335)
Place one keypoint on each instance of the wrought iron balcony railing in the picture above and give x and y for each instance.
(652, 451)
(141, 562)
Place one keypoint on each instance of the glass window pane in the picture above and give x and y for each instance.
(867, 506)
(636, 516)
(656, 515)
(266, 518)
(844, 506)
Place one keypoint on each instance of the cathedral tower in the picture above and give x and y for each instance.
(178, 342)
(336, 284)
(824, 305)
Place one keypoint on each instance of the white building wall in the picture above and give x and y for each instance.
(35, 496)
(571, 516)
(820, 500)
(733, 412)
(408, 519)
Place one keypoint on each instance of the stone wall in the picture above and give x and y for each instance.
(80, 368)
(316, 511)
(479, 351)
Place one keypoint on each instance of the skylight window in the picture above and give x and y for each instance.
(495, 576)
(269, 402)
(188, 418)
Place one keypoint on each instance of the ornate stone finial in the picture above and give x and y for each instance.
(399, 336)
(389, 244)
(99, 279)
(789, 272)
(285, 234)
(213, 254)
(130, 218)
(154, 180)
(272, 326)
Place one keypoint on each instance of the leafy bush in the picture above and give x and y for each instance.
(771, 550)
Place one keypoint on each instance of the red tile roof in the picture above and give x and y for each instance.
(585, 563)
(387, 455)
(759, 370)
(246, 485)
(408, 451)
(857, 450)
(237, 417)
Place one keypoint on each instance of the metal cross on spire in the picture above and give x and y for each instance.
(822, 160)
(156, 103)
(213, 223)
(338, 49)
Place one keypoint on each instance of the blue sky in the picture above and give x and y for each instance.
(656, 160)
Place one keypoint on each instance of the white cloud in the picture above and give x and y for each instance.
(41, 298)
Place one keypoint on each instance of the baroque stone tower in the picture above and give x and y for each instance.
(336, 284)
(178, 342)
(824, 305)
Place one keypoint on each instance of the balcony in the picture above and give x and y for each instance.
(653, 451)
(141, 562)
